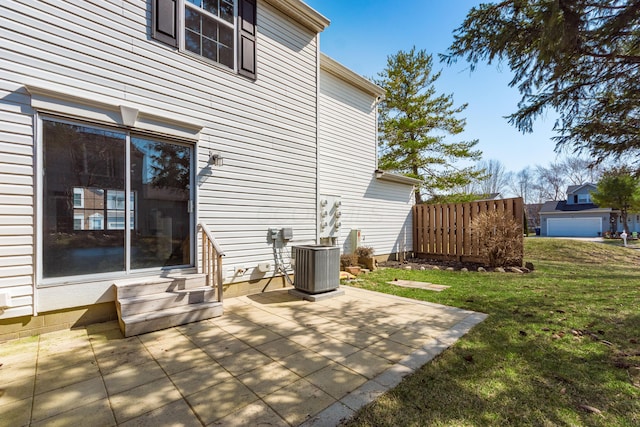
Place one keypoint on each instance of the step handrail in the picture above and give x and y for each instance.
(212, 255)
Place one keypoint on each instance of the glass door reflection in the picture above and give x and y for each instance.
(159, 204)
(83, 166)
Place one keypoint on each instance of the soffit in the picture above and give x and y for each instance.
(302, 13)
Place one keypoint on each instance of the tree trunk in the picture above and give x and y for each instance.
(418, 196)
(623, 215)
(417, 192)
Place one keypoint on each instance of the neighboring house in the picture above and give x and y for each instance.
(532, 211)
(127, 124)
(578, 216)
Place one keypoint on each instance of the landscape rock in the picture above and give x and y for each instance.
(529, 265)
(499, 270)
(423, 264)
(634, 374)
(591, 409)
(516, 270)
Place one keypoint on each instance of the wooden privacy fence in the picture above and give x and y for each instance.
(443, 231)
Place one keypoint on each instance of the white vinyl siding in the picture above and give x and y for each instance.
(346, 163)
(16, 201)
(96, 49)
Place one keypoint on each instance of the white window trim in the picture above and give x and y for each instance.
(98, 279)
(81, 193)
(78, 217)
(182, 4)
(586, 198)
(100, 109)
(96, 216)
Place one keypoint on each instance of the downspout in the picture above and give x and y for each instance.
(375, 126)
(317, 220)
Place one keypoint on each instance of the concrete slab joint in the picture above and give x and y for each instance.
(271, 359)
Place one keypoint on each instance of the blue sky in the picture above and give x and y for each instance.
(364, 32)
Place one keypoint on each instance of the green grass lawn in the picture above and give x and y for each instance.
(561, 346)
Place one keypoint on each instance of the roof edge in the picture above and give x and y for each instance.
(394, 177)
(302, 13)
(335, 68)
(581, 186)
(586, 211)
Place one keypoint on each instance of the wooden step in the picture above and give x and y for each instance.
(159, 301)
(154, 321)
(153, 303)
(151, 285)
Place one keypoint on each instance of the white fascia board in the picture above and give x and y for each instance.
(393, 177)
(589, 212)
(335, 68)
(302, 13)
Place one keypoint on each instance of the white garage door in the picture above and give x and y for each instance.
(574, 227)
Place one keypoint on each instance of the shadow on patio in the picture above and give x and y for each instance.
(271, 358)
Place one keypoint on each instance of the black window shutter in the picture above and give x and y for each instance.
(247, 32)
(164, 21)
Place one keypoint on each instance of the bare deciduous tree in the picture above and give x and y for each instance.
(495, 177)
(551, 182)
(521, 185)
(581, 171)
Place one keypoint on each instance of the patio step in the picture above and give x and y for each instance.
(159, 301)
(150, 285)
(150, 304)
(154, 321)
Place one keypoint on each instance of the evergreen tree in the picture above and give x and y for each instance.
(413, 123)
(578, 57)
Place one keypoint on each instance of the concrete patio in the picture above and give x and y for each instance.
(270, 360)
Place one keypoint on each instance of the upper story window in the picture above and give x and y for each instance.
(584, 198)
(209, 29)
(581, 198)
(222, 31)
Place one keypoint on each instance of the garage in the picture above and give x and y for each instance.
(574, 227)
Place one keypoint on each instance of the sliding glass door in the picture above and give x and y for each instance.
(113, 202)
(160, 183)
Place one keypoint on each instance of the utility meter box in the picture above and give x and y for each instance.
(355, 239)
(329, 216)
(287, 233)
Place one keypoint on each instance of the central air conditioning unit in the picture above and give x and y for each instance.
(317, 268)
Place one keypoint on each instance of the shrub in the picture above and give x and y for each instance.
(347, 260)
(500, 238)
(364, 251)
